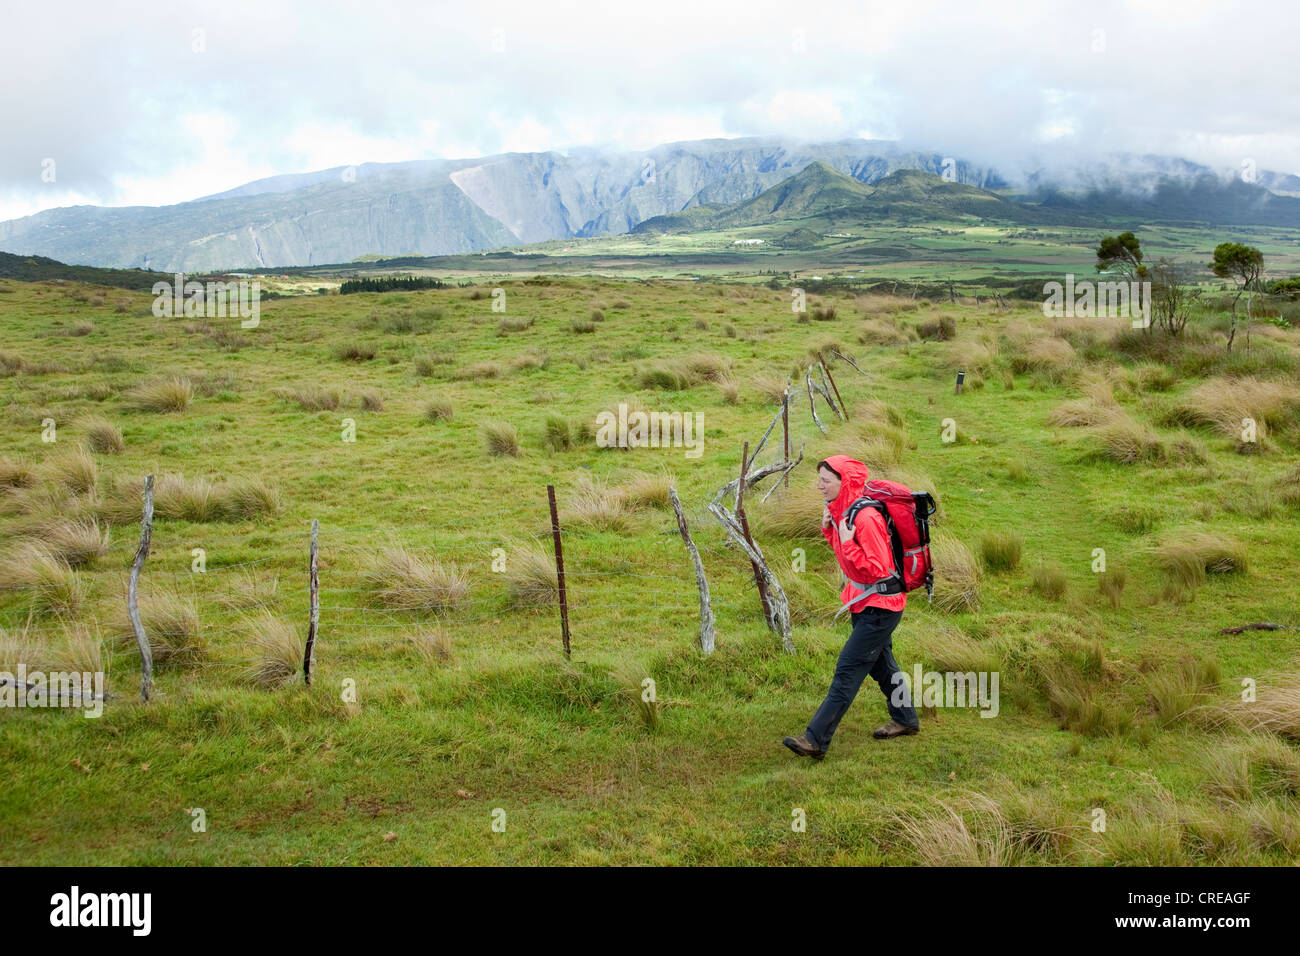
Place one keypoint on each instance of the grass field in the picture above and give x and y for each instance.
(440, 693)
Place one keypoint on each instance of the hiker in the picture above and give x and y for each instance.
(866, 557)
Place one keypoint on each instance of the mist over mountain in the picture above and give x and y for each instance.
(442, 207)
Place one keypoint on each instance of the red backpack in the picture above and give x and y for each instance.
(907, 516)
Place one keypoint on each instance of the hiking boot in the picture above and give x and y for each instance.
(803, 747)
(893, 729)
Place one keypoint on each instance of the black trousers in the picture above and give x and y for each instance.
(869, 650)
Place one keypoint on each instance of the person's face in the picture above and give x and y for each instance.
(828, 484)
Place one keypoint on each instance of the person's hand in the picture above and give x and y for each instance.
(845, 531)
(826, 517)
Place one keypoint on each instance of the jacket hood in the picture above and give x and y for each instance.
(853, 475)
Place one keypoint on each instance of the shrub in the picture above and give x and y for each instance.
(168, 395)
(501, 438)
(1001, 550)
(406, 582)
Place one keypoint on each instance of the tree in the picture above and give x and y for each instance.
(1170, 302)
(1124, 254)
(1232, 260)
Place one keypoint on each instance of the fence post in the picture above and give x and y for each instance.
(706, 606)
(961, 378)
(844, 410)
(132, 603)
(559, 568)
(744, 527)
(785, 427)
(313, 618)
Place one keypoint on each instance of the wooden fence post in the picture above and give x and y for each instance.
(759, 579)
(559, 568)
(785, 427)
(313, 617)
(961, 379)
(706, 606)
(844, 413)
(132, 591)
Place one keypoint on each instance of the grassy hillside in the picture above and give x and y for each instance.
(1118, 691)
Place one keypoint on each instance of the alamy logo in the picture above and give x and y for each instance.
(103, 909)
(30, 689)
(1097, 300)
(210, 300)
(640, 429)
(948, 689)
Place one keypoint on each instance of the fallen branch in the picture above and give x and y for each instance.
(1262, 626)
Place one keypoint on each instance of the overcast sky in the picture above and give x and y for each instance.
(155, 103)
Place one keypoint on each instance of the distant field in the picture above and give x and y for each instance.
(1118, 692)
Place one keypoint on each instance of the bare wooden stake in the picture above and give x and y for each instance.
(744, 527)
(844, 409)
(559, 568)
(812, 402)
(706, 605)
(313, 618)
(785, 427)
(132, 591)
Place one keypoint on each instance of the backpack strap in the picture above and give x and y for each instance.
(891, 583)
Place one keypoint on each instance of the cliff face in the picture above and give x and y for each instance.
(438, 207)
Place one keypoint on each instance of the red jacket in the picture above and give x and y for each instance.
(867, 556)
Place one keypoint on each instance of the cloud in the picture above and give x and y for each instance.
(138, 103)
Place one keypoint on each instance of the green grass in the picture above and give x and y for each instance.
(440, 693)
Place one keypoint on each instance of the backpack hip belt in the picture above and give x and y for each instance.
(890, 585)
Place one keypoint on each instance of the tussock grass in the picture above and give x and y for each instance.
(558, 434)
(642, 490)
(1225, 403)
(1001, 550)
(171, 625)
(371, 400)
(404, 581)
(1187, 558)
(529, 360)
(103, 437)
(16, 473)
(1048, 579)
(594, 504)
(354, 352)
(883, 331)
(166, 395)
(480, 370)
(277, 652)
(427, 365)
(957, 573)
(431, 645)
(517, 324)
(75, 469)
(501, 439)
(439, 410)
(1287, 488)
(1177, 693)
(941, 329)
(1128, 442)
(794, 512)
(770, 386)
(1111, 585)
(177, 498)
(531, 579)
(33, 568)
(76, 541)
(312, 398)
